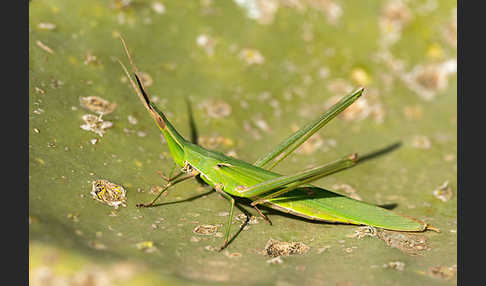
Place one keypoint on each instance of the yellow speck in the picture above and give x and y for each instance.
(115, 34)
(55, 9)
(147, 246)
(138, 163)
(73, 60)
(360, 76)
(40, 161)
(98, 10)
(228, 142)
(434, 51)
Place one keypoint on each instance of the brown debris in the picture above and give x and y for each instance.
(217, 108)
(361, 232)
(428, 79)
(205, 229)
(413, 112)
(443, 272)
(444, 192)
(44, 47)
(421, 142)
(361, 109)
(97, 105)
(396, 265)
(39, 90)
(109, 193)
(233, 254)
(276, 248)
(395, 16)
(408, 243)
(214, 142)
(90, 59)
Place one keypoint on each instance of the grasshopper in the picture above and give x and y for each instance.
(291, 194)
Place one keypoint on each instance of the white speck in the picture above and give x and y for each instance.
(251, 6)
(251, 56)
(207, 43)
(202, 40)
(38, 111)
(95, 124)
(275, 260)
(262, 124)
(132, 120)
(397, 265)
(46, 26)
(158, 7)
(449, 66)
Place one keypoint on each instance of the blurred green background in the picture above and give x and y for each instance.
(254, 72)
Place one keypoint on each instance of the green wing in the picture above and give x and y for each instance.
(320, 204)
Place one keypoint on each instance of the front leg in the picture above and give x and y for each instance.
(166, 178)
(167, 186)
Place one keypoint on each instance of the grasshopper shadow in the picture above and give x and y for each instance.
(377, 153)
(184, 200)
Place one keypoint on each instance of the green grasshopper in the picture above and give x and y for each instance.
(291, 194)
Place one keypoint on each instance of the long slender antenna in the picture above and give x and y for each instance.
(140, 89)
(132, 63)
